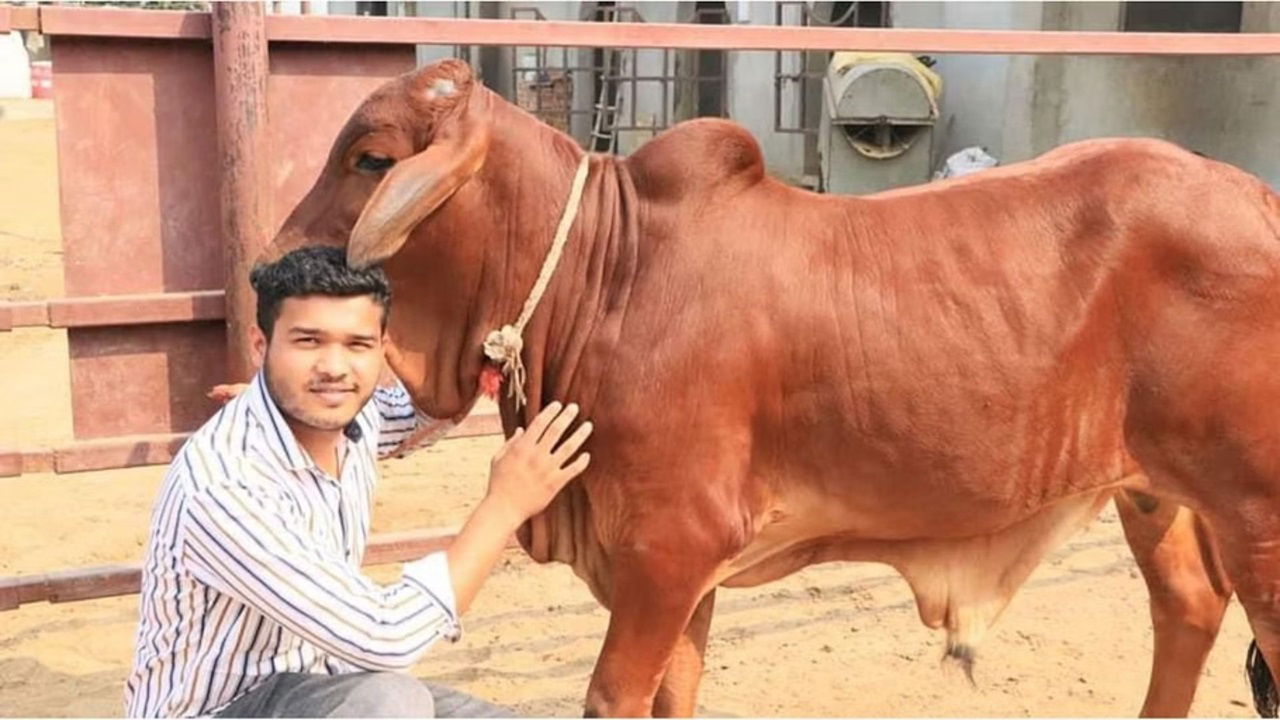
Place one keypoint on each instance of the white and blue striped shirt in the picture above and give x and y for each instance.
(253, 563)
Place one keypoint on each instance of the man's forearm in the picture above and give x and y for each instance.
(477, 548)
(527, 473)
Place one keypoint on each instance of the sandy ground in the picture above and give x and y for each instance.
(836, 640)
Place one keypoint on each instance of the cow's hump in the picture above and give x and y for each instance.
(698, 155)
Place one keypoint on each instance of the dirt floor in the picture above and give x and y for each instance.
(836, 640)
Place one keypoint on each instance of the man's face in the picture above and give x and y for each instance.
(324, 358)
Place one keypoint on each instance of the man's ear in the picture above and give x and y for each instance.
(257, 346)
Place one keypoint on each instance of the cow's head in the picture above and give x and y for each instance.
(464, 190)
(415, 144)
(409, 147)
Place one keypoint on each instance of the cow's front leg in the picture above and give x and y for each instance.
(678, 694)
(657, 586)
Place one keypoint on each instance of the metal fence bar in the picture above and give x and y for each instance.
(19, 18)
(141, 450)
(117, 310)
(116, 580)
(436, 31)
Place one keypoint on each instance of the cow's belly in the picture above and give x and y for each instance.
(786, 543)
(960, 583)
(846, 496)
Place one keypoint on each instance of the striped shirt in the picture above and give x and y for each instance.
(253, 563)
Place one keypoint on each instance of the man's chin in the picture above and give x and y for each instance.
(328, 421)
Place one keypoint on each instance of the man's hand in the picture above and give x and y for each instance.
(534, 465)
(224, 393)
(526, 474)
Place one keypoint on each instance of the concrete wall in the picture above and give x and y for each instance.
(984, 97)
(1225, 107)
(1021, 106)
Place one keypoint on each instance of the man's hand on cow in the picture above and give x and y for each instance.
(526, 474)
(534, 464)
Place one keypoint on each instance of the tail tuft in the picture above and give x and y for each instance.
(1265, 699)
(964, 656)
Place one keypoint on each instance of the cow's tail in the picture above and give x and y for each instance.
(1265, 699)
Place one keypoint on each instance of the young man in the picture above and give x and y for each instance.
(253, 603)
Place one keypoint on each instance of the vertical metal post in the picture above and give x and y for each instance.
(240, 84)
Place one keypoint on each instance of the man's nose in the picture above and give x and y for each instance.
(332, 363)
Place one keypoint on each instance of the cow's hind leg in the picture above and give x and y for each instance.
(678, 694)
(1214, 438)
(1251, 552)
(1189, 594)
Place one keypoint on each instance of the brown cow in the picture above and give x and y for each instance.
(949, 379)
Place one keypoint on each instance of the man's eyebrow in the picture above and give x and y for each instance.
(298, 330)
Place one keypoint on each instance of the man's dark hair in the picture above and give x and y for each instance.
(316, 270)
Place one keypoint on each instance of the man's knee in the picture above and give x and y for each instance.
(387, 695)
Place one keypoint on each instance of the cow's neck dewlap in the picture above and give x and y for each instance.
(504, 346)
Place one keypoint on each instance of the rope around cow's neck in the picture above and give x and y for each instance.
(504, 346)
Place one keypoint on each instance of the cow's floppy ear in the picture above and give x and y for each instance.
(417, 185)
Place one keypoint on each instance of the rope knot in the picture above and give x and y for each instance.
(503, 347)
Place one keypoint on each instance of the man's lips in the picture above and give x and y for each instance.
(331, 394)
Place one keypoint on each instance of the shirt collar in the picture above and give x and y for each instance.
(279, 435)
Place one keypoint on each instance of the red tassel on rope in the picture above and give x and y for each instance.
(490, 381)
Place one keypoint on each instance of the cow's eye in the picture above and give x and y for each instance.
(374, 163)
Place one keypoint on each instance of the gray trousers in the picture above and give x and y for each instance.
(356, 695)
